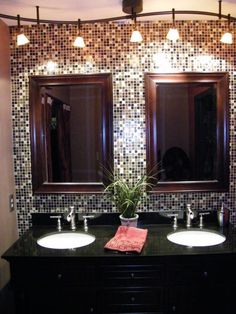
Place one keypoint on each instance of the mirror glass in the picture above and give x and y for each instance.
(187, 130)
(71, 128)
(73, 131)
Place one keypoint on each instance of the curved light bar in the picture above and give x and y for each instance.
(119, 18)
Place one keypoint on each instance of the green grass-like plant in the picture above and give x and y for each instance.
(127, 197)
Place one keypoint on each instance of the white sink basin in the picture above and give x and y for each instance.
(66, 240)
(196, 237)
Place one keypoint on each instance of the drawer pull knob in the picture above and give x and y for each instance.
(173, 308)
(133, 299)
(59, 276)
(91, 310)
(132, 275)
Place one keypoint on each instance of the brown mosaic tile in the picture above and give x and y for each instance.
(109, 50)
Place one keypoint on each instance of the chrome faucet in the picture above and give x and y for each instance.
(70, 217)
(190, 216)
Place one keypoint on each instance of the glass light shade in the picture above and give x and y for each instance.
(79, 42)
(136, 37)
(227, 38)
(22, 39)
(173, 34)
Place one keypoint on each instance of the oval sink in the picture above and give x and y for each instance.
(66, 240)
(196, 237)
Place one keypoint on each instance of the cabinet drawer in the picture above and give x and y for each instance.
(133, 301)
(133, 276)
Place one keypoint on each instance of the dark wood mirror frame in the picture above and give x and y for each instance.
(221, 80)
(38, 147)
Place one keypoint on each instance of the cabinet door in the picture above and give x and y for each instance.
(206, 286)
(43, 300)
(60, 301)
(49, 287)
(79, 301)
(220, 291)
(185, 300)
(187, 288)
(204, 299)
(220, 299)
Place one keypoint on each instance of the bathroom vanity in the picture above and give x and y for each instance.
(164, 278)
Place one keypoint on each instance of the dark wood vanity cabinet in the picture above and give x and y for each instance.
(202, 284)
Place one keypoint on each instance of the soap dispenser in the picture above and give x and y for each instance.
(223, 215)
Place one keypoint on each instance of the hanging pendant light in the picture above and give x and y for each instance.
(136, 36)
(227, 38)
(173, 33)
(79, 41)
(21, 38)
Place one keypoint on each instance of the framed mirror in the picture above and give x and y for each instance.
(187, 130)
(71, 124)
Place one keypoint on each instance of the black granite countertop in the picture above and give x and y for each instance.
(157, 243)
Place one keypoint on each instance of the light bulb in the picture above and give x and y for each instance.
(79, 42)
(51, 66)
(136, 37)
(227, 38)
(22, 39)
(173, 34)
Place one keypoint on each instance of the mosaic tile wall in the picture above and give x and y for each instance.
(109, 50)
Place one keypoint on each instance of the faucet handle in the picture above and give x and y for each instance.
(174, 215)
(201, 218)
(86, 217)
(58, 217)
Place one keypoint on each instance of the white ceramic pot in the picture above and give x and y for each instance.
(129, 222)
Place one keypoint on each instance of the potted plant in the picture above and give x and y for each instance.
(127, 197)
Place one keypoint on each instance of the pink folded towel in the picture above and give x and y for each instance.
(128, 239)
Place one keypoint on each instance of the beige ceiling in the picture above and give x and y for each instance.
(95, 9)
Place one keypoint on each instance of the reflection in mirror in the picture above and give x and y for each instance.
(74, 116)
(186, 124)
(73, 132)
(187, 130)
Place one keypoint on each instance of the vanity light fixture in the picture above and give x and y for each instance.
(173, 33)
(136, 36)
(79, 41)
(227, 38)
(133, 9)
(21, 38)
